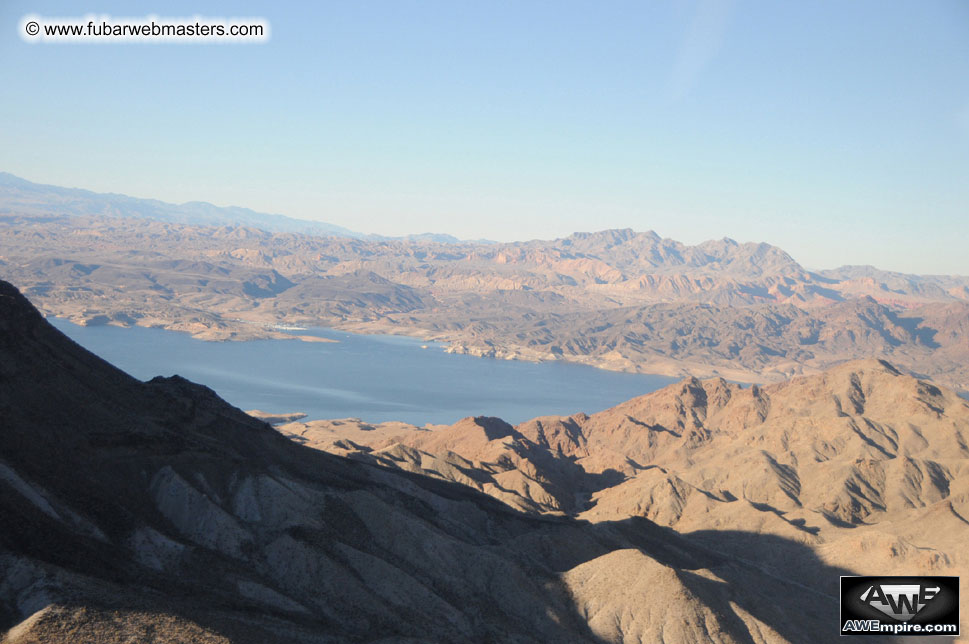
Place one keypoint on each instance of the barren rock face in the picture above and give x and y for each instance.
(865, 466)
(156, 512)
(615, 299)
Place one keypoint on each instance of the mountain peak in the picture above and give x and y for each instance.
(158, 507)
(863, 365)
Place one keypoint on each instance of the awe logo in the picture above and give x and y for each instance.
(906, 606)
(901, 601)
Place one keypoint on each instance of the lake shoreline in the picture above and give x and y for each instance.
(246, 331)
(374, 377)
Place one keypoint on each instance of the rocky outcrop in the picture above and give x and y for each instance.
(864, 465)
(153, 511)
(615, 299)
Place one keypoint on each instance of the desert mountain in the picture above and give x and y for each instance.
(22, 196)
(155, 512)
(865, 466)
(615, 299)
(26, 197)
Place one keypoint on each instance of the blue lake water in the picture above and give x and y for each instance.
(372, 377)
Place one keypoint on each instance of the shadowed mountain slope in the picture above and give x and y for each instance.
(863, 465)
(156, 512)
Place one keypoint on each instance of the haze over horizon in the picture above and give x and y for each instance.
(518, 320)
(836, 132)
(339, 231)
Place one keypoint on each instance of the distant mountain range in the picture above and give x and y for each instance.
(25, 197)
(616, 299)
(706, 511)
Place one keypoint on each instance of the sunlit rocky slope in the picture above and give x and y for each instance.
(866, 466)
(155, 512)
(614, 299)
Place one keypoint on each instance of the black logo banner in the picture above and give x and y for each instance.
(900, 606)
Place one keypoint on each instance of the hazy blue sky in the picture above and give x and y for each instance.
(836, 130)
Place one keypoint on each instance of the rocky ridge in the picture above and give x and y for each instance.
(614, 299)
(864, 465)
(153, 511)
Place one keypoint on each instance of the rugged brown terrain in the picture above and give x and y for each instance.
(864, 465)
(154, 512)
(614, 299)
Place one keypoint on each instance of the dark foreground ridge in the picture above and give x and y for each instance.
(156, 512)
